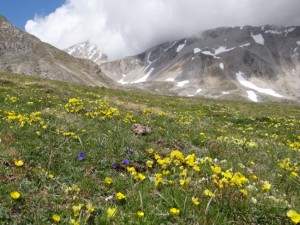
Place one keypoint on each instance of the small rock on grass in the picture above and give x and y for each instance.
(141, 129)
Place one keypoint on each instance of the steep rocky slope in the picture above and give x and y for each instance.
(23, 53)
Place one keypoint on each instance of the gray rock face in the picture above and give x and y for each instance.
(258, 63)
(23, 53)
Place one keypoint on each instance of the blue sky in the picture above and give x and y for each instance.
(18, 12)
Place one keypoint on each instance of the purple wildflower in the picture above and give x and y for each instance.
(129, 149)
(114, 165)
(125, 161)
(81, 156)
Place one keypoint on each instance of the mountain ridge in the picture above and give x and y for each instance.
(234, 60)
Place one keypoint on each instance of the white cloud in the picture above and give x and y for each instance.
(127, 27)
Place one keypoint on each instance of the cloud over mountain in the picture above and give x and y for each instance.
(127, 27)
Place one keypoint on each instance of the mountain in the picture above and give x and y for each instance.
(88, 51)
(258, 63)
(23, 53)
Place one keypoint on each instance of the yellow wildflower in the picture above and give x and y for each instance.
(196, 168)
(149, 163)
(195, 201)
(216, 169)
(140, 213)
(174, 211)
(19, 163)
(15, 195)
(56, 218)
(150, 150)
(295, 217)
(120, 196)
(140, 176)
(244, 192)
(108, 180)
(111, 212)
(209, 193)
(74, 222)
(266, 186)
(171, 182)
(90, 207)
(77, 209)
(293, 175)
(75, 187)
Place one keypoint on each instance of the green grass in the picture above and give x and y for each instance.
(239, 148)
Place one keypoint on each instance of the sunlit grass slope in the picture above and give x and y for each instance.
(68, 155)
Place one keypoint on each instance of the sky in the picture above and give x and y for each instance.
(127, 27)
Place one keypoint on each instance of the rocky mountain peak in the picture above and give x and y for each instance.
(86, 50)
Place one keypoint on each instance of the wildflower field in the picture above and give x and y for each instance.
(68, 155)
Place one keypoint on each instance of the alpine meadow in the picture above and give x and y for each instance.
(72, 154)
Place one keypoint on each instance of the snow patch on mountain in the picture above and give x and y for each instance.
(121, 81)
(165, 50)
(274, 32)
(252, 96)
(222, 49)
(144, 78)
(180, 47)
(209, 53)
(218, 51)
(170, 79)
(244, 45)
(248, 84)
(222, 66)
(258, 38)
(198, 90)
(289, 30)
(196, 50)
(182, 83)
(149, 62)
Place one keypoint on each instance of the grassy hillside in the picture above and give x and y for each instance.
(68, 155)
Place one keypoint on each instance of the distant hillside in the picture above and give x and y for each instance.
(23, 53)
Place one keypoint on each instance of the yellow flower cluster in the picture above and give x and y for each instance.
(184, 119)
(136, 176)
(67, 134)
(11, 99)
(24, 119)
(149, 111)
(101, 108)
(291, 168)
(74, 105)
(129, 119)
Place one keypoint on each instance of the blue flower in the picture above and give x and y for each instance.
(114, 165)
(81, 156)
(125, 161)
